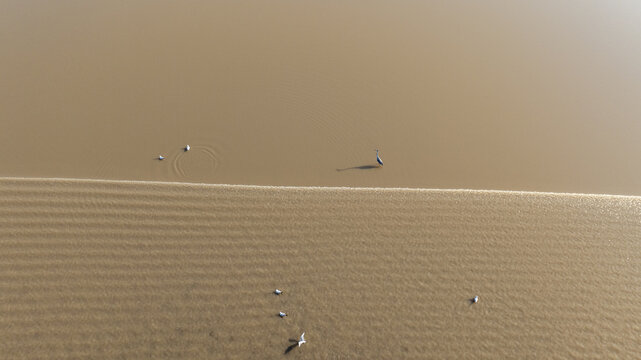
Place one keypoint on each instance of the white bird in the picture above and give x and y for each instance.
(282, 314)
(378, 158)
(277, 292)
(302, 340)
(475, 300)
(160, 157)
(187, 148)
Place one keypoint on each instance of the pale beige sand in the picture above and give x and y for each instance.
(523, 96)
(499, 94)
(110, 270)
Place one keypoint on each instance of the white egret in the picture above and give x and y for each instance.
(277, 292)
(187, 148)
(378, 158)
(282, 314)
(475, 299)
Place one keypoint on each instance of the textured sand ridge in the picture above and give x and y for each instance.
(102, 269)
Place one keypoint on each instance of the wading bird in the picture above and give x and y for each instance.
(277, 292)
(187, 148)
(475, 299)
(378, 158)
(160, 157)
(282, 314)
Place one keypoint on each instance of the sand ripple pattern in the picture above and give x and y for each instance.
(106, 269)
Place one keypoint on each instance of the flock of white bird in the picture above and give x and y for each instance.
(187, 148)
(302, 340)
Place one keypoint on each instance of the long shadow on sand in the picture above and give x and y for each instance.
(292, 346)
(362, 167)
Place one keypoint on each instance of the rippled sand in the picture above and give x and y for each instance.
(102, 269)
(537, 95)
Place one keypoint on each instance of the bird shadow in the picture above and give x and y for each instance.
(292, 346)
(362, 167)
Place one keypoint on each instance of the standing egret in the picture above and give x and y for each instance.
(302, 340)
(187, 148)
(378, 158)
(475, 299)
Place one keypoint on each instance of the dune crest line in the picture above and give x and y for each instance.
(286, 187)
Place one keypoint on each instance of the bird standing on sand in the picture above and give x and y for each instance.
(302, 340)
(277, 292)
(475, 299)
(378, 158)
(187, 148)
(160, 157)
(282, 314)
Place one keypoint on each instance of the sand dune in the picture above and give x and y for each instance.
(103, 269)
(507, 95)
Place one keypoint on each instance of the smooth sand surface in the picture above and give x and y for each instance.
(134, 270)
(498, 94)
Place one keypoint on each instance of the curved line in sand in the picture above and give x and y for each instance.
(178, 167)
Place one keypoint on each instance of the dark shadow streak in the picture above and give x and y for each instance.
(362, 167)
(290, 348)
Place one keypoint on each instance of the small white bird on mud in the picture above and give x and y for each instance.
(378, 158)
